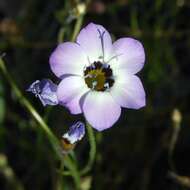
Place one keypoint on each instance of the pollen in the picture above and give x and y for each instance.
(99, 76)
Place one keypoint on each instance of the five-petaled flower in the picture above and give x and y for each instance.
(98, 76)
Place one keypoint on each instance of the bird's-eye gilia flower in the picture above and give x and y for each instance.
(98, 76)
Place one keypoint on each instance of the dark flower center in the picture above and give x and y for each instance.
(99, 76)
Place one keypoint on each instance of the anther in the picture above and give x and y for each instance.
(94, 83)
(88, 76)
(106, 85)
(93, 66)
(105, 65)
(98, 76)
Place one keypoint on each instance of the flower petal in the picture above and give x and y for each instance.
(74, 104)
(70, 91)
(129, 55)
(100, 110)
(68, 58)
(90, 40)
(128, 91)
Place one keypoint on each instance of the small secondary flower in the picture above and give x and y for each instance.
(70, 138)
(75, 133)
(45, 90)
(98, 76)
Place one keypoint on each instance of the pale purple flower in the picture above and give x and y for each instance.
(98, 76)
(45, 90)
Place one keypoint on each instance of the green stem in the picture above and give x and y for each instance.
(77, 27)
(30, 108)
(59, 184)
(61, 35)
(92, 152)
(51, 137)
(73, 170)
(173, 141)
(79, 21)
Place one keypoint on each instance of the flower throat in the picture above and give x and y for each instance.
(99, 76)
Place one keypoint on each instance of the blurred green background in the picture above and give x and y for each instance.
(131, 155)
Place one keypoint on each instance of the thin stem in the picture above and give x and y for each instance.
(12, 180)
(59, 184)
(172, 146)
(77, 27)
(92, 152)
(73, 170)
(30, 108)
(176, 119)
(51, 137)
(79, 21)
(61, 34)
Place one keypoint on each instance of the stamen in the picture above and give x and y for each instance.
(94, 84)
(99, 76)
(114, 57)
(106, 85)
(93, 66)
(88, 76)
(88, 60)
(100, 57)
(105, 66)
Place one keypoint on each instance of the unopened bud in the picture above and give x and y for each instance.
(176, 116)
(81, 8)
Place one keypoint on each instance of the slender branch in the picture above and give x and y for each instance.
(80, 18)
(92, 152)
(30, 108)
(51, 137)
(176, 119)
(77, 27)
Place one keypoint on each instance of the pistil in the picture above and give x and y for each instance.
(99, 76)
